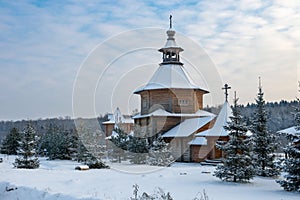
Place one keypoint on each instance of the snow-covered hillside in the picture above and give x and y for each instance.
(59, 180)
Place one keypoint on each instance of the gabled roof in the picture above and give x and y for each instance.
(291, 130)
(222, 119)
(163, 113)
(198, 141)
(187, 127)
(170, 76)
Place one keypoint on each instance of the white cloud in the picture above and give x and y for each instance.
(43, 45)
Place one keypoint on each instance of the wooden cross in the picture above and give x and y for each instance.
(170, 21)
(226, 88)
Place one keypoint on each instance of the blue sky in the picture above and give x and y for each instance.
(43, 44)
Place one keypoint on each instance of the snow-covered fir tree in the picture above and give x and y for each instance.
(159, 153)
(138, 149)
(11, 144)
(237, 164)
(56, 143)
(28, 149)
(264, 143)
(119, 140)
(89, 149)
(291, 165)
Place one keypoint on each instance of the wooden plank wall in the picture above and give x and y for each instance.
(168, 99)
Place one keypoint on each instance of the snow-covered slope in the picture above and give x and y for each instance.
(59, 180)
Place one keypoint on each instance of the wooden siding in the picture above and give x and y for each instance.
(180, 148)
(154, 125)
(126, 127)
(169, 100)
(209, 151)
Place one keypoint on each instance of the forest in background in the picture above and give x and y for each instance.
(280, 116)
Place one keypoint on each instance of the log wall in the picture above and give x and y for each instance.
(172, 100)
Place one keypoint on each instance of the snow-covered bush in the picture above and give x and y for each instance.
(160, 154)
(158, 194)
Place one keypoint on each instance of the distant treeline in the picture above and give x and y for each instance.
(280, 114)
(280, 117)
(41, 125)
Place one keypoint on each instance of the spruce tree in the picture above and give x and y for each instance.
(264, 142)
(237, 164)
(138, 148)
(89, 149)
(119, 140)
(28, 149)
(56, 143)
(291, 165)
(160, 154)
(10, 144)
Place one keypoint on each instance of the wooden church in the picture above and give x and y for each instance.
(171, 104)
(172, 108)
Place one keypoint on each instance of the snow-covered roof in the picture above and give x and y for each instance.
(291, 130)
(187, 127)
(118, 118)
(163, 113)
(222, 119)
(126, 120)
(198, 141)
(170, 76)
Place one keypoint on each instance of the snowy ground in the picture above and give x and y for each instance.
(59, 180)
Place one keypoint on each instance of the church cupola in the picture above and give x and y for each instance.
(171, 50)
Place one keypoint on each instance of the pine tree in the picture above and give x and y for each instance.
(237, 166)
(160, 154)
(10, 144)
(27, 150)
(264, 142)
(291, 165)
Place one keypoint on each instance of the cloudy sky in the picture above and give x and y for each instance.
(44, 43)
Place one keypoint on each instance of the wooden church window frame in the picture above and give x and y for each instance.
(183, 102)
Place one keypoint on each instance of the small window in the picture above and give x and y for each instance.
(183, 102)
(144, 103)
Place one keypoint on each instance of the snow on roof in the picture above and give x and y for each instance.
(170, 76)
(187, 127)
(222, 119)
(117, 118)
(163, 113)
(126, 120)
(291, 130)
(171, 43)
(198, 141)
